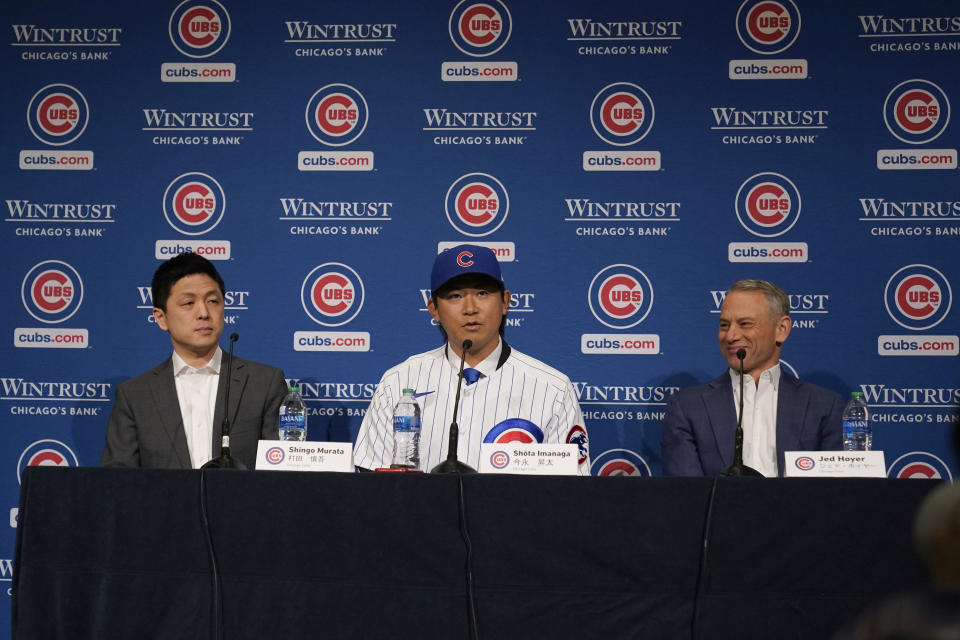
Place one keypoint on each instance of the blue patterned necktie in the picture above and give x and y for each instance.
(470, 376)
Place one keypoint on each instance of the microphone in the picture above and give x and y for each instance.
(451, 464)
(738, 468)
(225, 461)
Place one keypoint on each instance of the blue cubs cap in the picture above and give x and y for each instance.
(461, 260)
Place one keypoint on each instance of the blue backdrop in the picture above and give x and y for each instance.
(627, 162)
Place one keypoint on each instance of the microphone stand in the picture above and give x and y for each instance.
(738, 469)
(225, 461)
(451, 464)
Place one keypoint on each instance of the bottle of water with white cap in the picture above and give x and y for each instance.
(293, 417)
(406, 433)
(857, 432)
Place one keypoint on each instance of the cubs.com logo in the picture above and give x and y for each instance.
(477, 204)
(194, 203)
(480, 28)
(57, 114)
(199, 28)
(52, 291)
(917, 297)
(768, 204)
(768, 26)
(46, 453)
(916, 111)
(274, 455)
(620, 462)
(337, 115)
(332, 294)
(921, 465)
(620, 296)
(514, 430)
(621, 114)
(804, 463)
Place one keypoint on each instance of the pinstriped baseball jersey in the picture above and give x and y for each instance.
(514, 385)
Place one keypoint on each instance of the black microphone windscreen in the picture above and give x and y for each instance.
(741, 353)
(234, 337)
(467, 344)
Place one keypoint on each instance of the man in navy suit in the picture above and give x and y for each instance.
(170, 416)
(781, 413)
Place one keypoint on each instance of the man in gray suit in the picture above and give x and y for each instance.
(781, 413)
(170, 416)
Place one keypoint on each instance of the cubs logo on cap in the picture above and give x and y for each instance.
(461, 260)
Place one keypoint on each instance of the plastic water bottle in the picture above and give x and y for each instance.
(293, 417)
(857, 432)
(406, 433)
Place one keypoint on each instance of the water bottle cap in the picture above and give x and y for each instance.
(856, 394)
(410, 391)
(295, 389)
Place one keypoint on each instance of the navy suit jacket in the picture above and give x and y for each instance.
(145, 428)
(701, 422)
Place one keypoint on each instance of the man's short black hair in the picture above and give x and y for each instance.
(469, 280)
(181, 266)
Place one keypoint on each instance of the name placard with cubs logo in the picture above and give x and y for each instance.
(834, 464)
(282, 455)
(529, 459)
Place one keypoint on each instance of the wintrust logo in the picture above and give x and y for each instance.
(63, 44)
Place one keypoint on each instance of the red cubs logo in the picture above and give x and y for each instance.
(620, 296)
(336, 114)
(768, 26)
(199, 28)
(194, 203)
(275, 455)
(499, 459)
(767, 204)
(622, 114)
(332, 294)
(480, 28)
(768, 22)
(46, 453)
(477, 204)
(480, 24)
(52, 291)
(917, 297)
(57, 114)
(916, 111)
(805, 463)
(465, 259)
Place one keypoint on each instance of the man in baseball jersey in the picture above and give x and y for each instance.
(507, 396)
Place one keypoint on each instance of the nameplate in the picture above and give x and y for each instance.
(529, 459)
(281, 455)
(834, 464)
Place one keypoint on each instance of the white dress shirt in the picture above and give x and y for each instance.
(197, 393)
(759, 418)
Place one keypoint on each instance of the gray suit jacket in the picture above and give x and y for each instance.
(145, 428)
(700, 424)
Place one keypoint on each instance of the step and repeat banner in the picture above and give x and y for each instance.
(626, 161)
